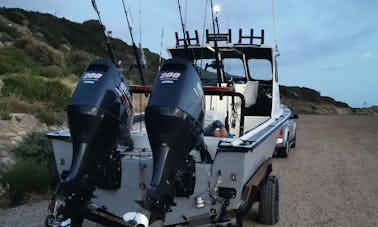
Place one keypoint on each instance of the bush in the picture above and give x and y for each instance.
(4, 109)
(33, 172)
(17, 105)
(8, 29)
(22, 178)
(15, 60)
(41, 52)
(52, 117)
(36, 89)
(35, 147)
(78, 61)
(51, 71)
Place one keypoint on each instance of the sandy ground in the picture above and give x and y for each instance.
(329, 179)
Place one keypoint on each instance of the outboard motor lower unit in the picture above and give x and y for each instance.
(99, 117)
(174, 120)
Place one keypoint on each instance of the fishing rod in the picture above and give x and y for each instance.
(216, 52)
(182, 25)
(108, 42)
(161, 47)
(135, 49)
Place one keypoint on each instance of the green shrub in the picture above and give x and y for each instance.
(24, 177)
(52, 117)
(58, 94)
(41, 52)
(35, 147)
(33, 172)
(51, 71)
(15, 60)
(4, 109)
(17, 105)
(8, 29)
(77, 61)
(37, 89)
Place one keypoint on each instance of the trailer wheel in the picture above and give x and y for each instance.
(294, 141)
(284, 151)
(49, 221)
(269, 201)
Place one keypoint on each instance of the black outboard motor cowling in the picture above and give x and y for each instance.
(100, 117)
(174, 120)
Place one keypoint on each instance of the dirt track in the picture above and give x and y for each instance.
(330, 179)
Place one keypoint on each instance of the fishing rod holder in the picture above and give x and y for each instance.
(222, 37)
(251, 37)
(187, 39)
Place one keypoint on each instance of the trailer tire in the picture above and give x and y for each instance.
(293, 144)
(283, 152)
(269, 201)
(49, 221)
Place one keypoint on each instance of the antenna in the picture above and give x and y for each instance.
(182, 25)
(135, 49)
(140, 22)
(274, 26)
(108, 42)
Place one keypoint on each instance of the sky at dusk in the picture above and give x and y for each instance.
(327, 45)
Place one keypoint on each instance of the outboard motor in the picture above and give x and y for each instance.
(100, 117)
(174, 120)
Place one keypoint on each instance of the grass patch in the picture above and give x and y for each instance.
(16, 60)
(36, 89)
(4, 109)
(51, 71)
(52, 117)
(17, 105)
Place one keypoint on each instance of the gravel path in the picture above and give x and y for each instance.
(330, 179)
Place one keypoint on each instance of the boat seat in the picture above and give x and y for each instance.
(250, 93)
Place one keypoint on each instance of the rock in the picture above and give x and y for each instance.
(17, 116)
(4, 153)
(7, 161)
(65, 47)
(13, 142)
(17, 139)
(22, 133)
(10, 134)
(39, 36)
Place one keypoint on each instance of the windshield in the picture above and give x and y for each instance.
(260, 69)
(233, 68)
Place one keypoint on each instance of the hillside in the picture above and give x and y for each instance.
(42, 57)
(308, 101)
(42, 40)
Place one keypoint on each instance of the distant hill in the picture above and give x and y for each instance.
(44, 40)
(41, 49)
(308, 101)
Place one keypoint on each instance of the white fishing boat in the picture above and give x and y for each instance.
(177, 170)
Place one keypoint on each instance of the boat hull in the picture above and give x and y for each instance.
(242, 161)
